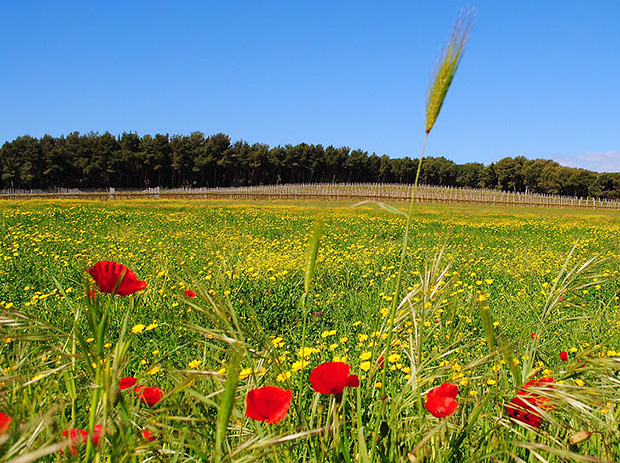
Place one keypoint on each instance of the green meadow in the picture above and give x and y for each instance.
(489, 299)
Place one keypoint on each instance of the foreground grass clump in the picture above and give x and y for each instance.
(499, 305)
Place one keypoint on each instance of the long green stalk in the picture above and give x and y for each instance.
(227, 403)
(440, 84)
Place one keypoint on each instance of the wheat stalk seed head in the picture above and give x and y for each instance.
(447, 65)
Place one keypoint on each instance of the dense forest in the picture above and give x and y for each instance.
(129, 161)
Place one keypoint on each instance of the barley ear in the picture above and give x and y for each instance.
(447, 65)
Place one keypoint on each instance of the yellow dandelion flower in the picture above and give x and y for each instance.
(277, 342)
(138, 328)
(299, 365)
(306, 351)
(194, 364)
(365, 366)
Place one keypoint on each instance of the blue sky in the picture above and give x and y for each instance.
(539, 78)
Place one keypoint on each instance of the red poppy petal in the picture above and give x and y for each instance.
(353, 381)
(522, 410)
(107, 275)
(448, 390)
(330, 377)
(268, 403)
(150, 395)
(441, 400)
(97, 434)
(5, 421)
(127, 382)
(76, 435)
(441, 406)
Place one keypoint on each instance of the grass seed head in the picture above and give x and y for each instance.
(447, 66)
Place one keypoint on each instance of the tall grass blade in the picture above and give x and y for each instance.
(227, 403)
(313, 252)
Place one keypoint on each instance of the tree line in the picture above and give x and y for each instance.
(96, 160)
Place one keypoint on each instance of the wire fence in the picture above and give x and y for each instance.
(326, 192)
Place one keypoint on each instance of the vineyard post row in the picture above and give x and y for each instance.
(327, 191)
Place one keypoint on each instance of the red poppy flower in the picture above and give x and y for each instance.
(441, 400)
(564, 356)
(127, 382)
(78, 436)
(380, 361)
(149, 395)
(524, 407)
(5, 421)
(190, 293)
(540, 401)
(107, 275)
(97, 434)
(147, 435)
(523, 411)
(269, 403)
(332, 378)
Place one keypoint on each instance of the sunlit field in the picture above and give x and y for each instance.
(491, 298)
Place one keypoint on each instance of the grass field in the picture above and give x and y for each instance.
(493, 296)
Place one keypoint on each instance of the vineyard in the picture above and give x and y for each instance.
(328, 192)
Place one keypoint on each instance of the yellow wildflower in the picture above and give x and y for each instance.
(138, 328)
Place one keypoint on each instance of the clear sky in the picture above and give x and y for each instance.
(539, 78)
